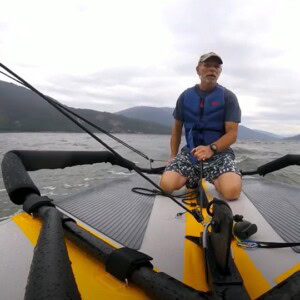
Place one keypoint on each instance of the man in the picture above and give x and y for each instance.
(210, 114)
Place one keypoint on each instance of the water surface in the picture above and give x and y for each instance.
(249, 154)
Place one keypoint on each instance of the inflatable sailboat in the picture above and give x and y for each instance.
(124, 240)
(111, 242)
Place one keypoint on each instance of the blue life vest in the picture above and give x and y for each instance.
(203, 117)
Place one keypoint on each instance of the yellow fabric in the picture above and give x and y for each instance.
(287, 274)
(254, 281)
(194, 261)
(92, 280)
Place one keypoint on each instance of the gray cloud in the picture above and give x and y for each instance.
(240, 33)
(252, 66)
(112, 90)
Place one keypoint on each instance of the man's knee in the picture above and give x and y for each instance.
(231, 193)
(166, 185)
(171, 181)
(230, 186)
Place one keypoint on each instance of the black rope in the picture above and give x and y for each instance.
(11, 77)
(249, 244)
(200, 198)
(275, 244)
(163, 193)
(56, 103)
(126, 162)
(185, 197)
(105, 132)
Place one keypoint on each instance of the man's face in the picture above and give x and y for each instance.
(209, 71)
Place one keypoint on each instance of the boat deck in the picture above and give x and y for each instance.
(113, 209)
(150, 223)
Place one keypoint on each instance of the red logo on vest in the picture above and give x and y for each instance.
(214, 103)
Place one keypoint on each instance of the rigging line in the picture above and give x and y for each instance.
(11, 77)
(52, 103)
(88, 122)
(201, 188)
(101, 130)
(133, 166)
(164, 193)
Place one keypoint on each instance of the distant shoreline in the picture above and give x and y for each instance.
(82, 132)
(288, 139)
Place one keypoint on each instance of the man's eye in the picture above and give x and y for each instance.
(212, 66)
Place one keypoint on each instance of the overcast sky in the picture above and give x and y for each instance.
(115, 54)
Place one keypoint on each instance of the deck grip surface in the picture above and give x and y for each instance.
(279, 204)
(113, 209)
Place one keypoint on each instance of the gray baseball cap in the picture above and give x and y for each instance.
(206, 56)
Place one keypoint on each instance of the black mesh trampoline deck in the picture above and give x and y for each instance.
(279, 204)
(113, 209)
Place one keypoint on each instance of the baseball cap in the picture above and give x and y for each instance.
(206, 56)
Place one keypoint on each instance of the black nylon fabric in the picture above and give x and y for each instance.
(124, 261)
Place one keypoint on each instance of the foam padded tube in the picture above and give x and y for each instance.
(87, 241)
(162, 286)
(280, 163)
(16, 163)
(51, 275)
(37, 160)
(16, 179)
(275, 165)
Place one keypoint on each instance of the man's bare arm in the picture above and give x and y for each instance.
(230, 136)
(175, 138)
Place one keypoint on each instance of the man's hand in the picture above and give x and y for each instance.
(202, 152)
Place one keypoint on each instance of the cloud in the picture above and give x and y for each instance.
(114, 55)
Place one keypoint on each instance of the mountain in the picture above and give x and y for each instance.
(272, 135)
(293, 138)
(247, 133)
(160, 115)
(21, 110)
(163, 115)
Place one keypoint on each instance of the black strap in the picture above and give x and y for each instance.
(122, 262)
(258, 244)
(34, 202)
(275, 245)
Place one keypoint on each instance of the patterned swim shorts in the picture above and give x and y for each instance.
(217, 165)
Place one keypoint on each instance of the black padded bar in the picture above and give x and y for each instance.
(51, 275)
(15, 165)
(275, 165)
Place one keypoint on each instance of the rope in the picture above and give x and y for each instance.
(66, 112)
(55, 103)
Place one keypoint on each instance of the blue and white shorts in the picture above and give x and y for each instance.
(217, 165)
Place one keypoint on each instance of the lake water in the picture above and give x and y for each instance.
(249, 154)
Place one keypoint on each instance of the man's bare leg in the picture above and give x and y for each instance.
(229, 185)
(171, 181)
